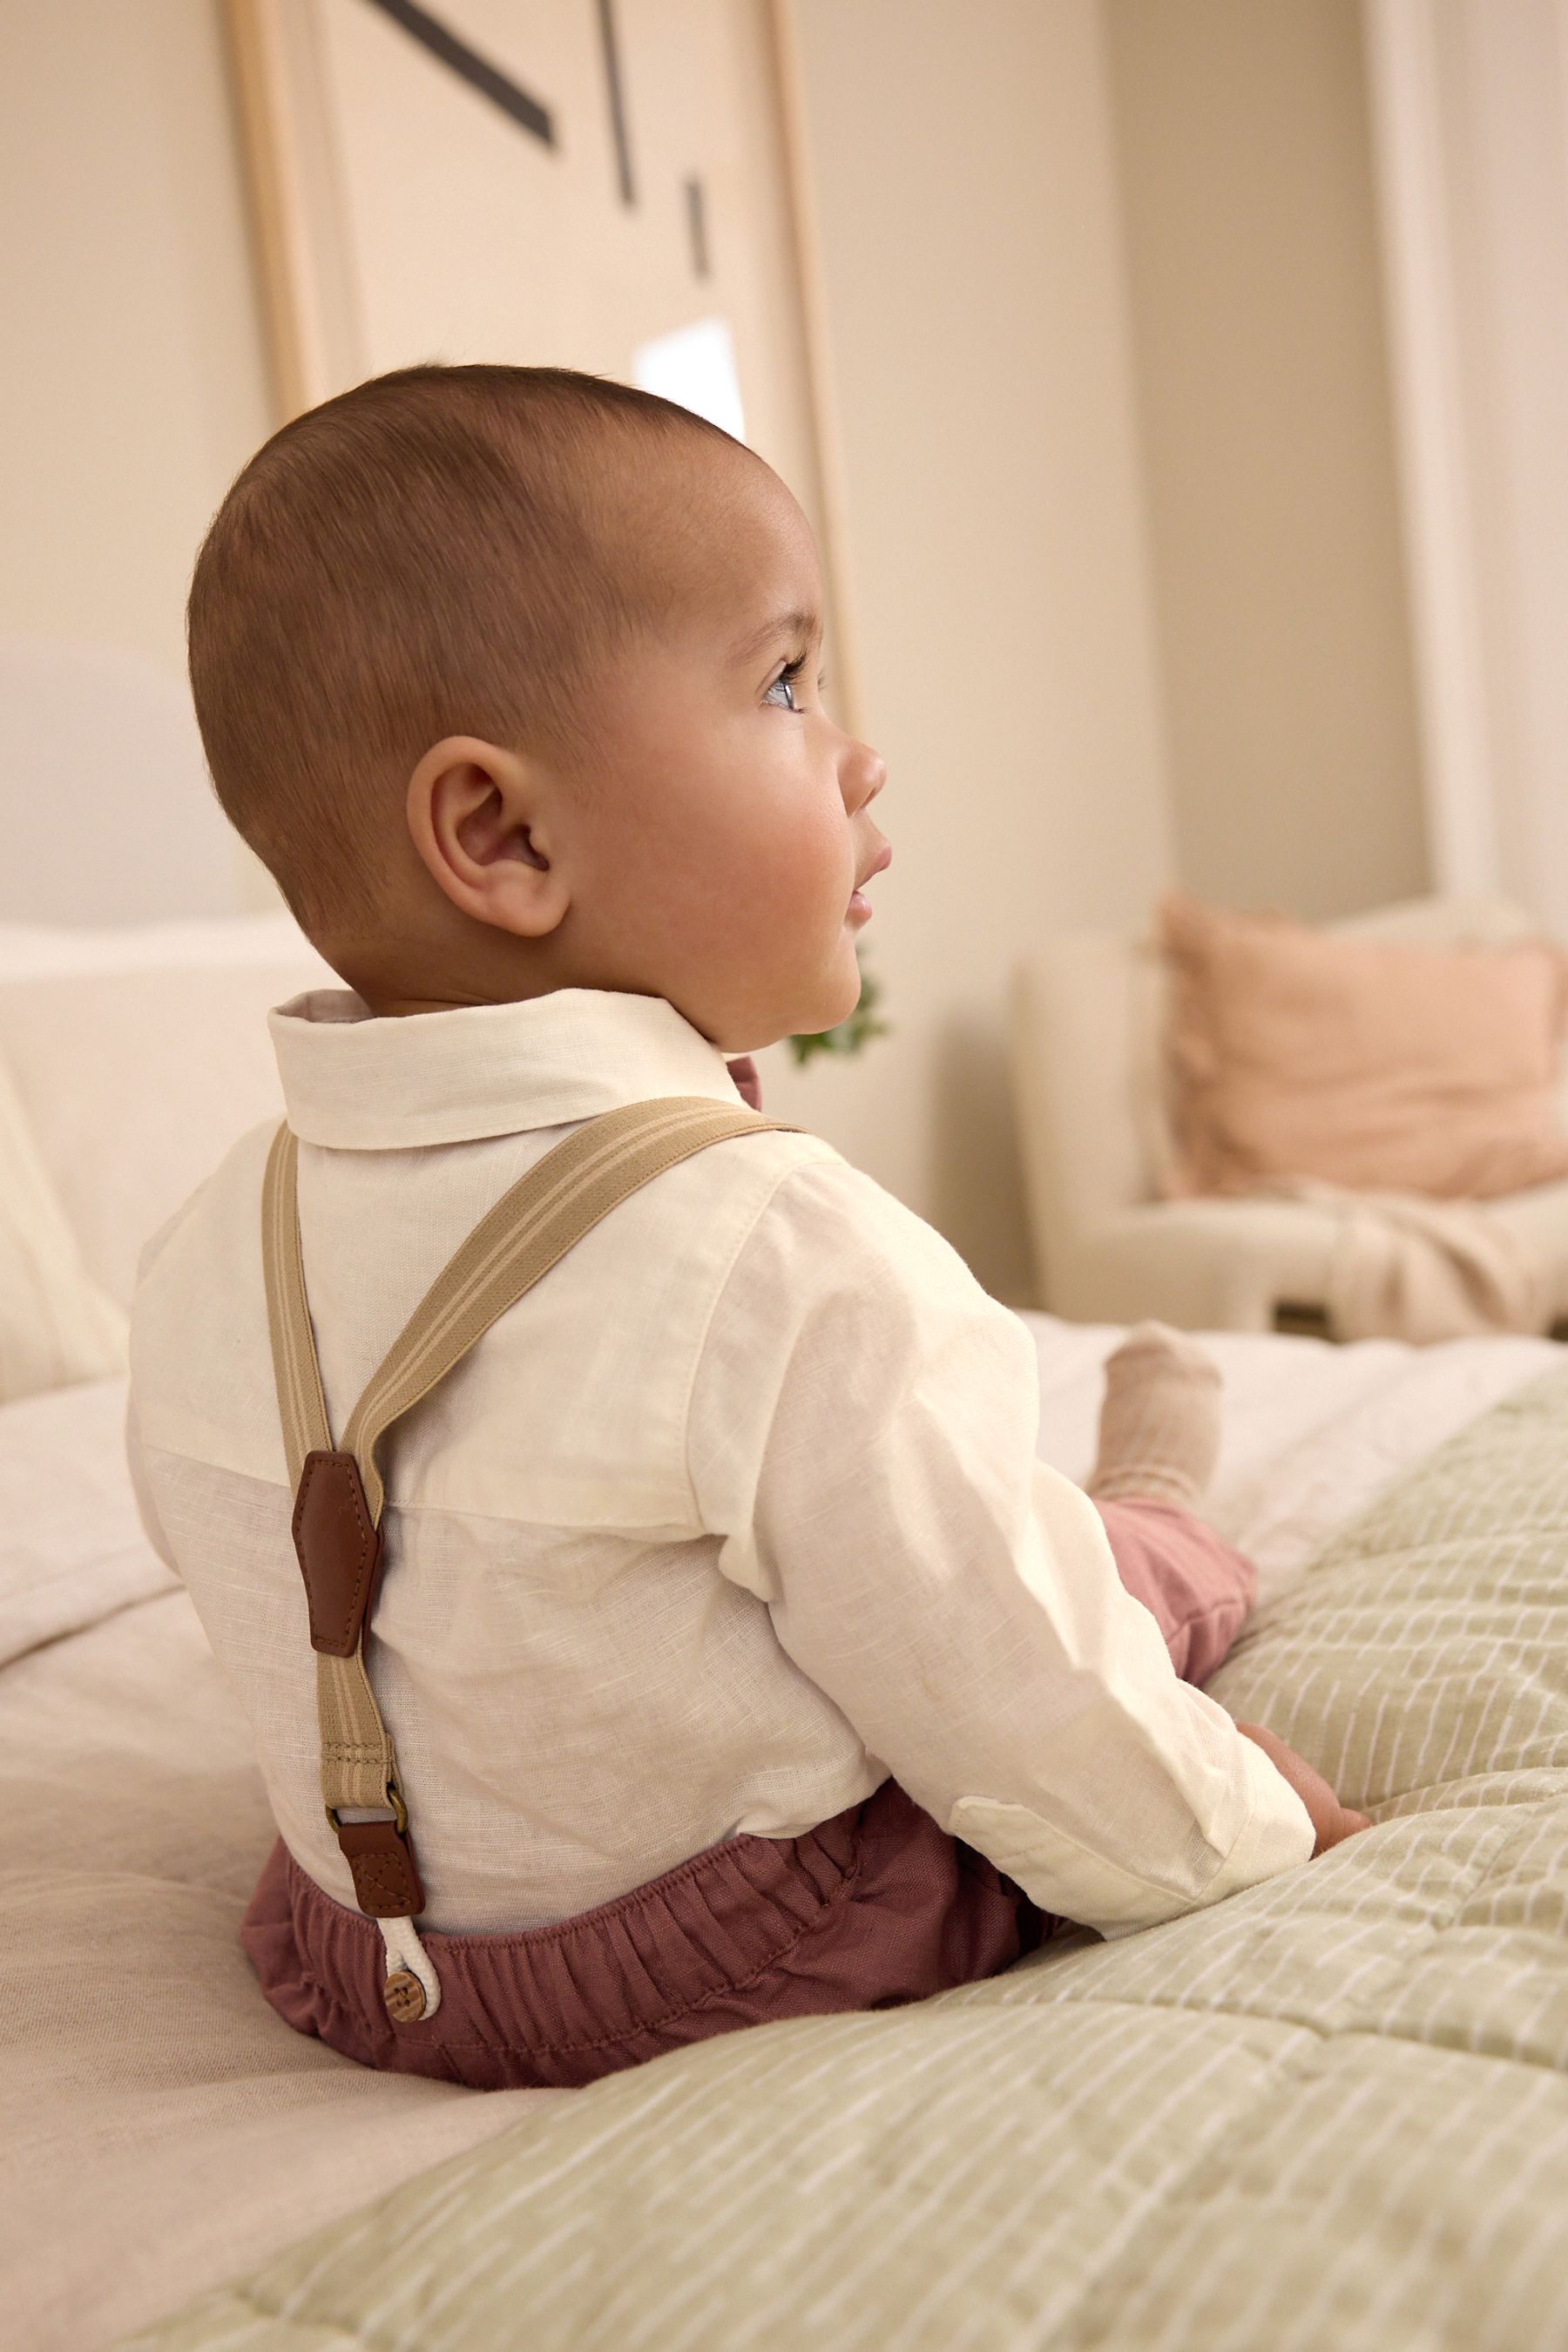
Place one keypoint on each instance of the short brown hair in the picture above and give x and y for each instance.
(441, 551)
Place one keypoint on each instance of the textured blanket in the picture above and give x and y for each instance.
(1407, 1267)
(1330, 2113)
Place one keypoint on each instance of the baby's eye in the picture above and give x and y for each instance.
(785, 679)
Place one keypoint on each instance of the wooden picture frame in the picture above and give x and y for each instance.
(306, 276)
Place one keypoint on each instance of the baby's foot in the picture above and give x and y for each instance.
(1159, 1425)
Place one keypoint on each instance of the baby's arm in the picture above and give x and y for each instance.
(863, 1433)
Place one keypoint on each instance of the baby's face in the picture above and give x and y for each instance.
(715, 858)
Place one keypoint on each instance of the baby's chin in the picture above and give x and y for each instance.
(757, 1015)
(840, 993)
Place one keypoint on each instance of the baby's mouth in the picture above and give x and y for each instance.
(859, 902)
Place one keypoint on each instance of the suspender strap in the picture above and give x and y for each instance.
(338, 1494)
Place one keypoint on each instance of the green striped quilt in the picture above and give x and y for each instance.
(1331, 2113)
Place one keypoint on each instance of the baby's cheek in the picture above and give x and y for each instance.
(812, 896)
(818, 862)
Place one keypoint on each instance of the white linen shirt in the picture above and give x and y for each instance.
(734, 1513)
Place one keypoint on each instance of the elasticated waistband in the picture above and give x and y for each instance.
(873, 1908)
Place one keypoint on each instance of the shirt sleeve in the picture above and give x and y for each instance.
(141, 1487)
(862, 1436)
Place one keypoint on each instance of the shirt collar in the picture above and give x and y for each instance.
(364, 1082)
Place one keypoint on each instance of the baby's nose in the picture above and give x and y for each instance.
(872, 773)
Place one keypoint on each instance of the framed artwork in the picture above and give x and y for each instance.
(617, 185)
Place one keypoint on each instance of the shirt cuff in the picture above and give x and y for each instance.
(1277, 1834)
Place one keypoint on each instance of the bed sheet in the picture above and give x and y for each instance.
(163, 2129)
(1311, 1432)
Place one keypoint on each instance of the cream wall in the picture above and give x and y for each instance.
(134, 384)
(962, 167)
(134, 388)
(1470, 99)
(1254, 286)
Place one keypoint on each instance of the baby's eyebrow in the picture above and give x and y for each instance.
(799, 621)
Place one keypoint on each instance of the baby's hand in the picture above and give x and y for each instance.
(1332, 1820)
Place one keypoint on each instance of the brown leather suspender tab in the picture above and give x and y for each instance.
(385, 1874)
(338, 1546)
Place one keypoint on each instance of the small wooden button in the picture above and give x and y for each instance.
(404, 1997)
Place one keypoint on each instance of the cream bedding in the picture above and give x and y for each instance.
(1330, 2115)
(163, 2131)
(55, 1325)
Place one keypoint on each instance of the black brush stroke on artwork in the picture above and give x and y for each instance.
(468, 64)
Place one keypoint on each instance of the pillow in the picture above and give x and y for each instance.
(43, 950)
(74, 1551)
(1296, 1052)
(139, 1058)
(57, 1326)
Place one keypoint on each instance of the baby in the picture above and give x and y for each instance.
(725, 1653)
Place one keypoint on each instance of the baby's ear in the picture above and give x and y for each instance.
(488, 832)
(479, 817)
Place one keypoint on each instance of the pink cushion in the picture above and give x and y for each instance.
(1298, 1052)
